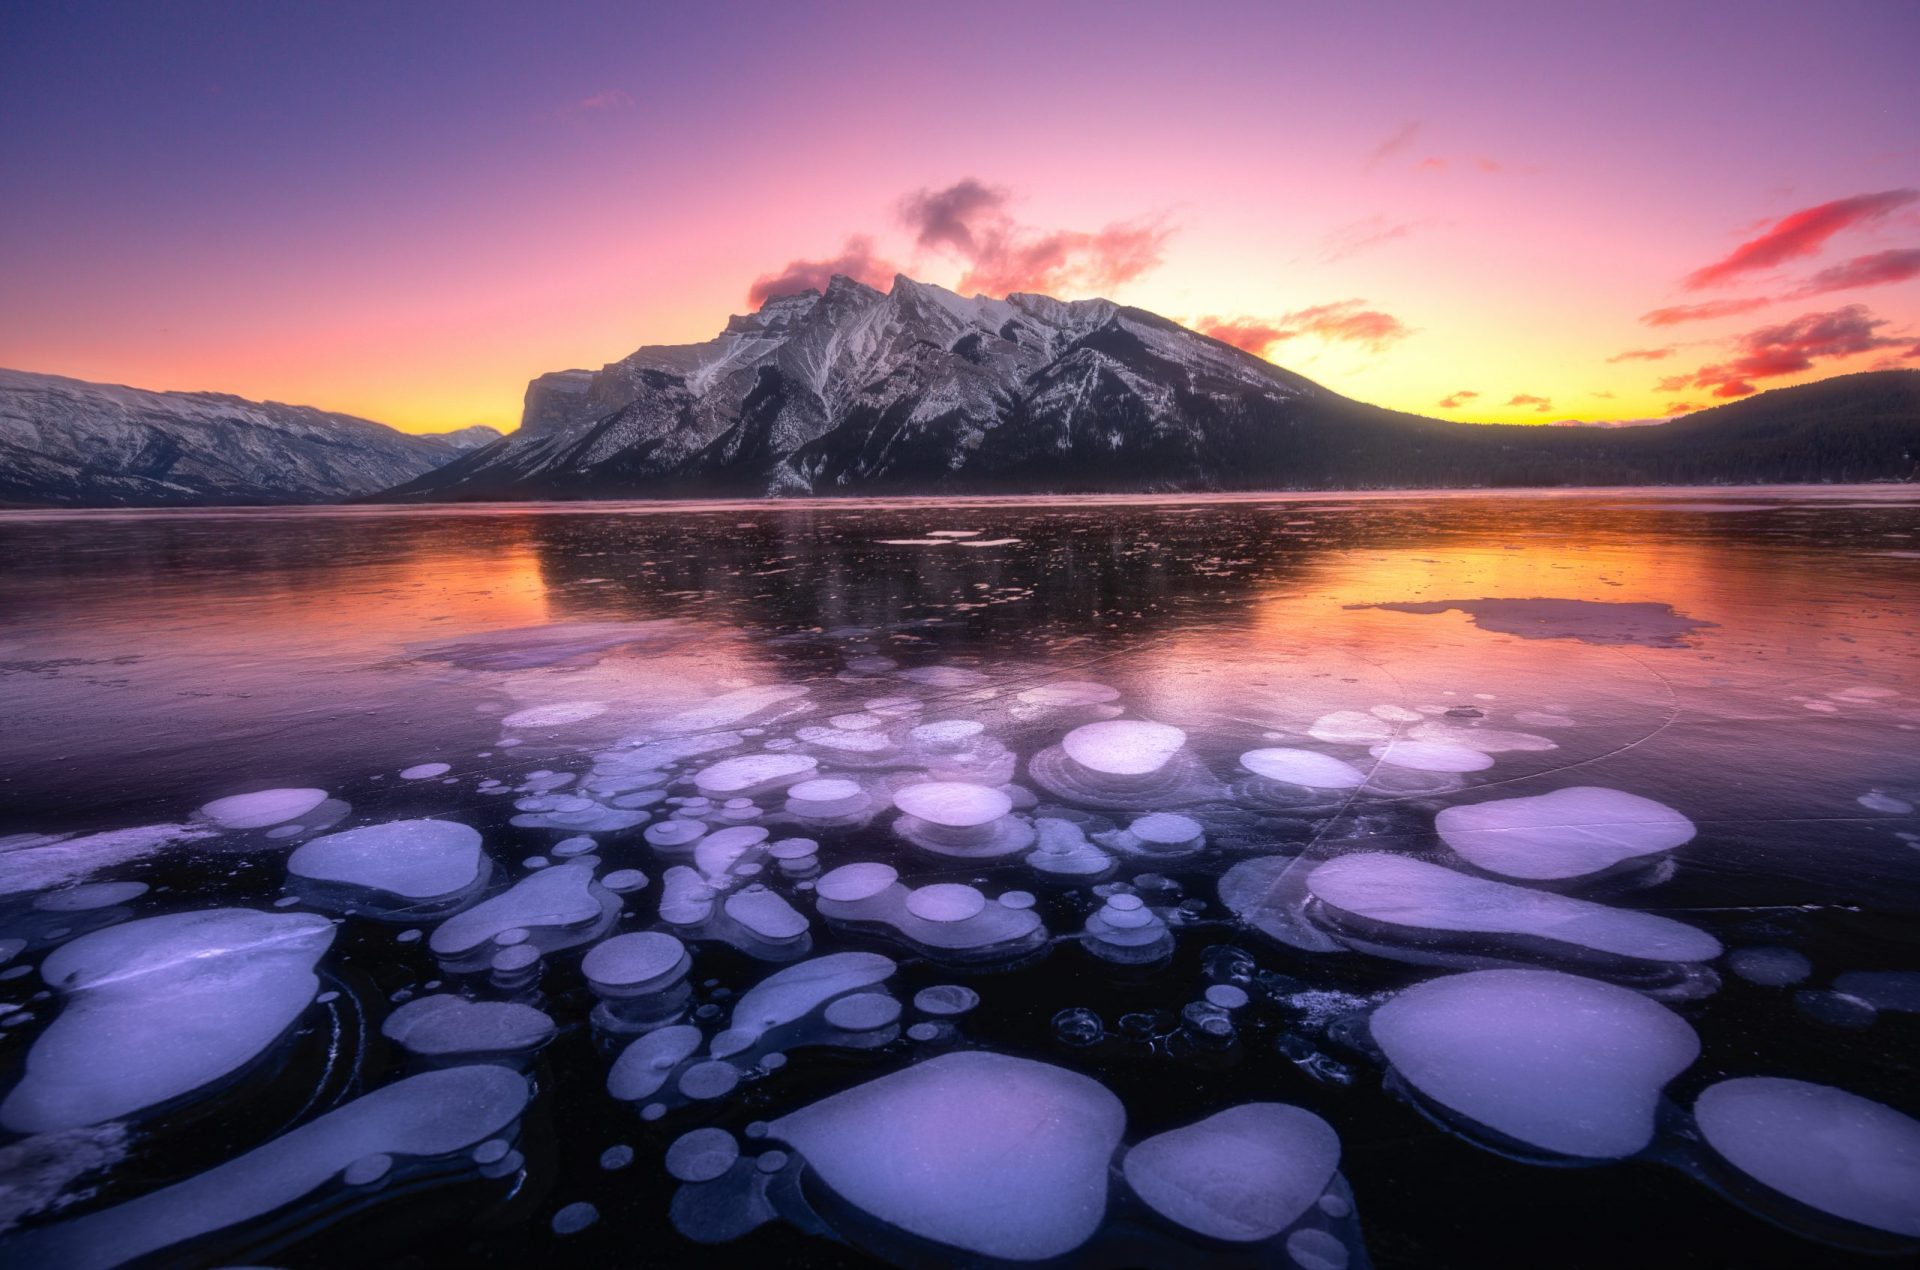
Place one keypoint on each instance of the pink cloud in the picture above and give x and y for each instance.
(970, 220)
(1402, 138)
(1540, 404)
(856, 260)
(1801, 234)
(1345, 321)
(1876, 270)
(1702, 312)
(1455, 400)
(1643, 355)
(600, 102)
(1788, 348)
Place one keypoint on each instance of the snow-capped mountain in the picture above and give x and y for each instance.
(73, 443)
(912, 387)
(919, 390)
(471, 437)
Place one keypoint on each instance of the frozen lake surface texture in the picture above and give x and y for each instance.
(1321, 882)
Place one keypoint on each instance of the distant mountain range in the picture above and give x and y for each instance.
(65, 442)
(918, 390)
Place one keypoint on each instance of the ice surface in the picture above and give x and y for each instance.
(262, 808)
(1245, 1173)
(436, 1113)
(35, 862)
(1838, 1152)
(161, 1007)
(555, 715)
(1568, 833)
(1303, 767)
(1883, 989)
(402, 860)
(993, 1155)
(1567, 1065)
(1123, 747)
(1411, 895)
(1590, 621)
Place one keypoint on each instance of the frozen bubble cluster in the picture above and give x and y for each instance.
(551, 910)
(1123, 765)
(1553, 1062)
(949, 921)
(1569, 833)
(161, 1008)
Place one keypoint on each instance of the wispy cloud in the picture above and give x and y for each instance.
(1800, 234)
(1769, 352)
(1455, 400)
(1401, 138)
(1878, 269)
(1679, 313)
(599, 103)
(1540, 404)
(1343, 321)
(1366, 234)
(1643, 354)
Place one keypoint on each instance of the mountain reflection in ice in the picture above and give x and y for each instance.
(1283, 881)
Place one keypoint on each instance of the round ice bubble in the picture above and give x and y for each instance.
(851, 882)
(1303, 767)
(862, 1011)
(636, 958)
(1242, 1174)
(1123, 747)
(262, 808)
(946, 902)
(953, 804)
(1165, 829)
(1831, 1150)
(1568, 833)
(825, 789)
(1563, 1064)
(702, 1155)
(731, 775)
(1432, 756)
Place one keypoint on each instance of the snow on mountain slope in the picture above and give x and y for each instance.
(69, 442)
(857, 387)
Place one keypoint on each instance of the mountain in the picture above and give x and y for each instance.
(471, 437)
(920, 390)
(66, 442)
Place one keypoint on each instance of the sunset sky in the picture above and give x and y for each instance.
(1517, 213)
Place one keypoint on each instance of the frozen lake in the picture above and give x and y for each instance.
(1322, 881)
